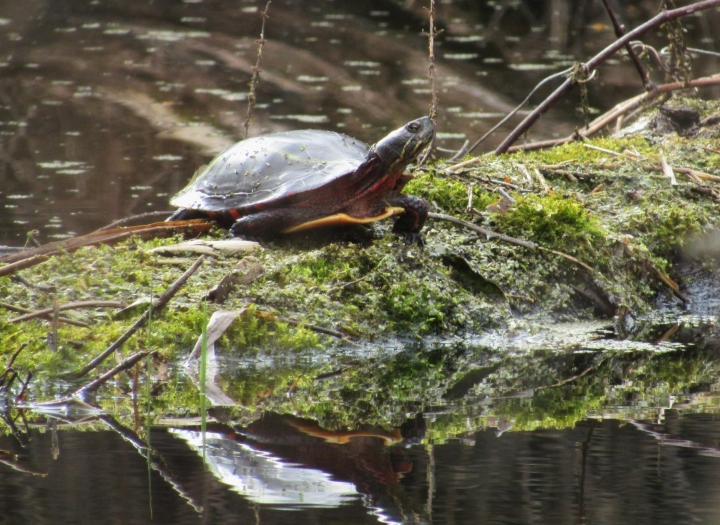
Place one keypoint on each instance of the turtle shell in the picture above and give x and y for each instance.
(256, 172)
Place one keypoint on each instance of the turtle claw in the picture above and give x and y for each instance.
(412, 238)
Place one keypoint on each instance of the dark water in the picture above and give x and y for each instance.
(600, 472)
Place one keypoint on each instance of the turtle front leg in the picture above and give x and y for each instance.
(410, 222)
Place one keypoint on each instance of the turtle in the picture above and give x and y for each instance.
(292, 181)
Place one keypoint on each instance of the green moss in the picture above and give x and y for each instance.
(668, 226)
(554, 221)
(578, 154)
(449, 194)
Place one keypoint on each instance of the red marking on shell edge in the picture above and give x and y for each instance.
(234, 214)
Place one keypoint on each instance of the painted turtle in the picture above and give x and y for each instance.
(295, 180)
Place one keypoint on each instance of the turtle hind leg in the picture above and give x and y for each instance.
(270, 222)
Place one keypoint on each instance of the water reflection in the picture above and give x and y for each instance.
(286, 462)
(602, 472)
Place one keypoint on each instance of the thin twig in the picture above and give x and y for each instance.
(34, 256)
(698, 174)
(69, 306)
(598, 59)
(22, 310)
(433, 84)
(569, 258)
(506, 238)
(312, 327)
(487, 233)
(319, 329)
(431, 59)
(162, 301)
(255, 72)
(517, 108)
(135, 219)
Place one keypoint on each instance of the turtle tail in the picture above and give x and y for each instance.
(223, 218)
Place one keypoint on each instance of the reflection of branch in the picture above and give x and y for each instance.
(157, 462)
(666, 439)
(124, 365)
(598, 59)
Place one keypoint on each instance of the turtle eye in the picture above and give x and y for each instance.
(414, 127)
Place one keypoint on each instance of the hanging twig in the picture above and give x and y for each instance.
(431, 59)
(255, 72)
(162, 301)
(598, 59)
(432, 77)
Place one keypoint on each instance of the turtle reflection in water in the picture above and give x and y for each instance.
(292, 181)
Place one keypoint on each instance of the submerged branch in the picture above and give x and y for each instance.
(124, 365)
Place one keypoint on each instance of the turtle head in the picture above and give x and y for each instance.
(403, 145)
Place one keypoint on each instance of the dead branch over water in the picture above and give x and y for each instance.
(28, 258)
(619, 32)
(620, 111)
(598, 59)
